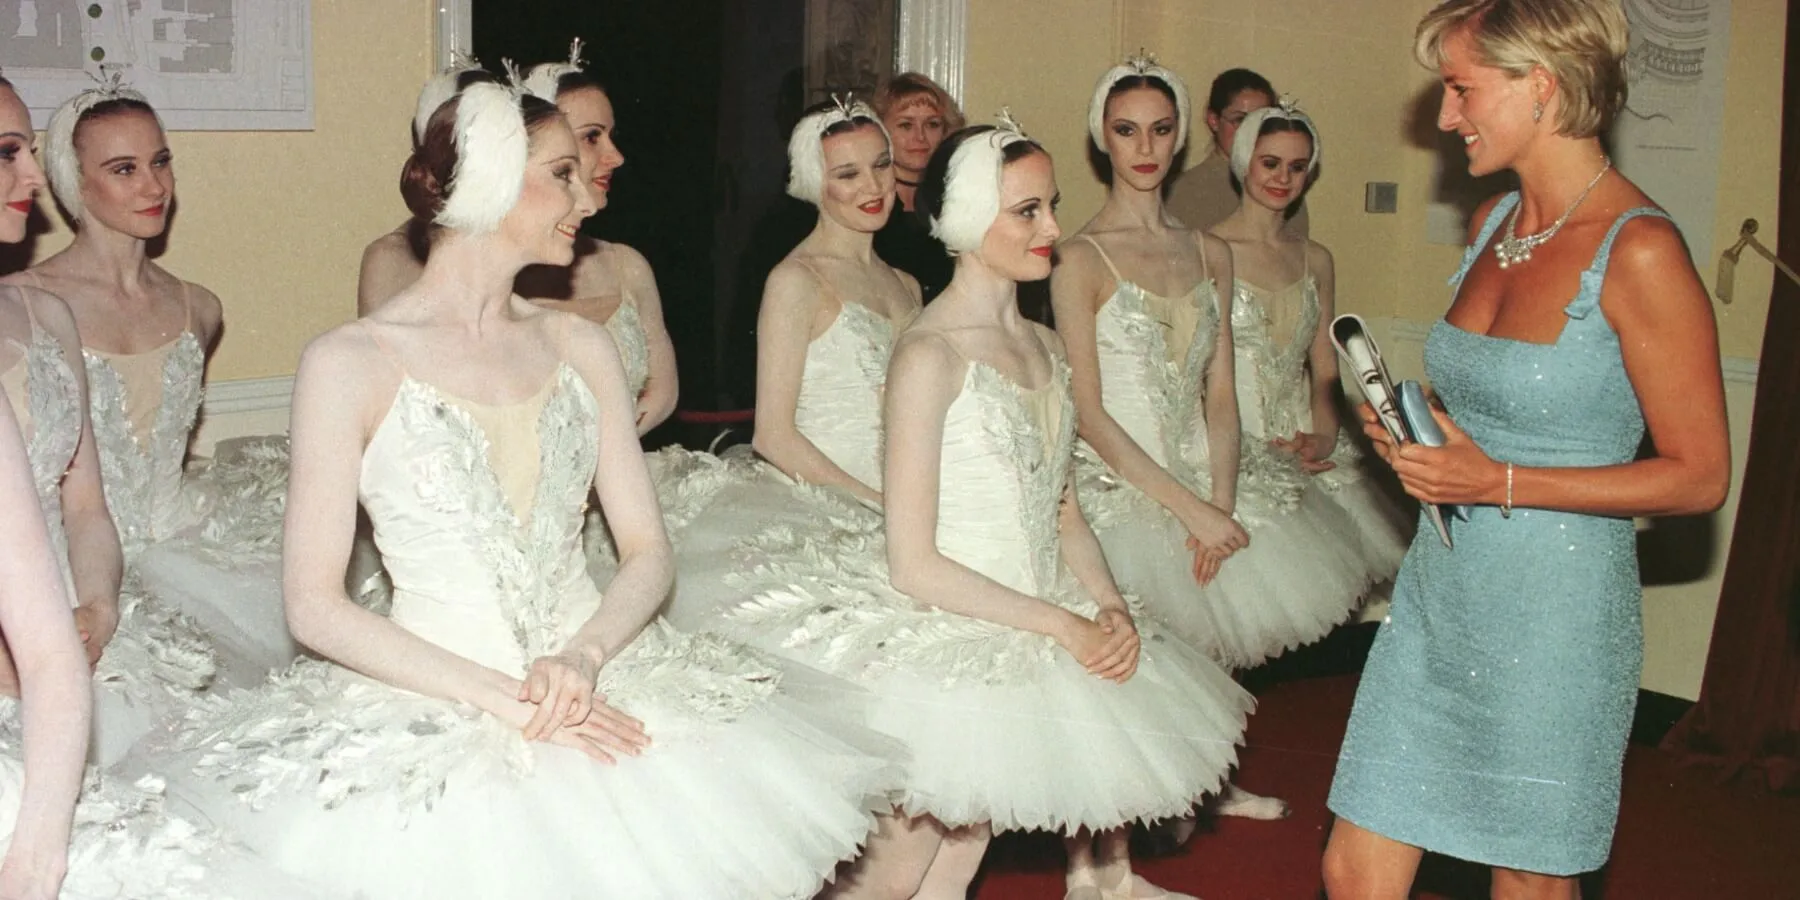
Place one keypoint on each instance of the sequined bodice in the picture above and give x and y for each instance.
(1154, 354)
(1567, 403)
(839, 407)
(1274, 395)
(1005, 463)
(472, 573)
(46, 402)
(141, 469)
(627, 330)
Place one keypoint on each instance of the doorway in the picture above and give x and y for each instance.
(705, 99)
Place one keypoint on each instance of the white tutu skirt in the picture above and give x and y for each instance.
(123, 844)
(747, 497)
(378, 793)
(687, 484)
(1383, 528)
(1298, 579)
(157, 663)
(1002, 726)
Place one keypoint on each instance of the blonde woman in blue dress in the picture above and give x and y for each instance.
(1492, 716)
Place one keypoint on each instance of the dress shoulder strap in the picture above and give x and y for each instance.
(1594, 276)
(1103, 257)
(187, 306)
(1488, 227)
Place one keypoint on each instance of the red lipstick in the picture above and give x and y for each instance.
(1043, 251)
(874, 207)
(153, 211)
(1146, 168)
(23, 206)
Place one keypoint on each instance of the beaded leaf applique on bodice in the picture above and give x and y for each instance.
(1156, 397)
(839, 407)
(142, 473)
(50, 412)
(476, 576)
(1274, 397)
(627, 330)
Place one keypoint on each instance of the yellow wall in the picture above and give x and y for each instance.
(275, 222)
(1349, 63)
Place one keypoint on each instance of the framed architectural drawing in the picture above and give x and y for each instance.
(206, 65)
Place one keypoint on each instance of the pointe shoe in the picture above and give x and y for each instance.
(1235, 801)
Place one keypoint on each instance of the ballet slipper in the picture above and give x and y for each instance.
(1082, 885)
(1235, 801)
(1128, 885)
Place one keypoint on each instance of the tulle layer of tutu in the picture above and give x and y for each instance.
(123, 843)
(384, 794)
(1002, 726)
(157, 663)
(1384, 528)
(755, 514)
(1301, 576)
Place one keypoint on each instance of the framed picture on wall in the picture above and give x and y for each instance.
(206, 65)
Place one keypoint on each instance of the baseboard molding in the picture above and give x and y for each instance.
(247, 395)
(243, 407)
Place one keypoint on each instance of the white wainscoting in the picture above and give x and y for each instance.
(250, 406)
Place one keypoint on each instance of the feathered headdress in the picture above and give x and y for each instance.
(972, 186)
(439, 89)
(492, 147)
(542, 79)
(60, 161)
(806, 146)
(1244, 145)
(1142, 65)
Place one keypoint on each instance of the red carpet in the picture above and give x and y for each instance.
(1680, 835)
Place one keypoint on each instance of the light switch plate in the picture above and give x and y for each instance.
(1381, 197)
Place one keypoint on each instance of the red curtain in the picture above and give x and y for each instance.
(1747, 721)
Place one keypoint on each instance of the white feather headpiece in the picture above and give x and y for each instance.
(542, 79)
(60, 161)
(492, 147)
(1142, 65)
(806, 146)
(1244, 145)
(972, 186)
(438, 90)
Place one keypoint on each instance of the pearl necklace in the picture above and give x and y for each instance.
(1513, 250)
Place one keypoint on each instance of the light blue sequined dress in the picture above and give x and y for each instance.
(1493, 713)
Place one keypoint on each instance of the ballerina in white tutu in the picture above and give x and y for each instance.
(609, 283)
(142, 334)
(1241, 561)
(116, 841)
(825, 329)
(984, 618)
(507, 731)
(1286, 365)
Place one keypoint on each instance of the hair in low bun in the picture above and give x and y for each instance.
(425, 179)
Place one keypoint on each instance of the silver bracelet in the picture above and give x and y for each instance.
(1506, 507)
